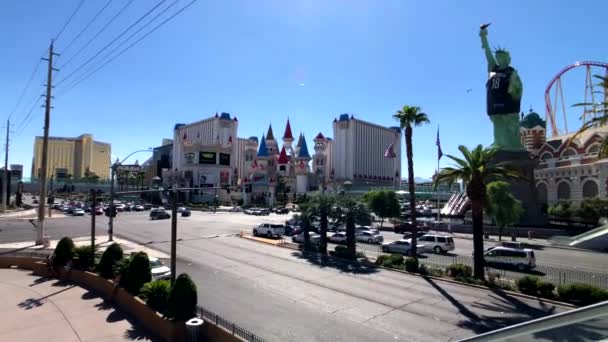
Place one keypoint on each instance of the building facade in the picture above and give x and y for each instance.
(204, 154)
(74, 158)
(568, 168)
(357, 153)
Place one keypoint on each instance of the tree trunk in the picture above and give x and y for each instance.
(478, 262)
(306, 231)
(411, 187)
(350, 236)
(323, 233)
(381, 221)
(500, 232)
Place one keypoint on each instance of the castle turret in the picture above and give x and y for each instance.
(532, 131)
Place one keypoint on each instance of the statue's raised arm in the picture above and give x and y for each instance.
(483, 34)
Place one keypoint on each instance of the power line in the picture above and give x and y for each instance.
(97, 34)
(21, 127)
(27, 85)
(69, 19)
(130, 46)
(87, 25)
(104, 59)
(110, 43)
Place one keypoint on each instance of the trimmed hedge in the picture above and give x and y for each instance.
(459, 271)
(112, 255)
(138, 273)
(85, 256)
(533, 286)
(411, 264)
(156, 294)
(182, 299)
(64, 251)
(581, 294)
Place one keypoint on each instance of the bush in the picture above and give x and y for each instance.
(380, 260)
(182, 299)
(342, 252)
(109, 258)
(156, 294)
(528, 285)
(137, 273)
(459, 271)
(85, 256)
(581, 294)
(390, 260)
(411, 264)
(64, 251)
(545, 289)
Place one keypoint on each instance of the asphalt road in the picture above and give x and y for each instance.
(283, 295)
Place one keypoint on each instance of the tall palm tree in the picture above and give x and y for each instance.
(476, 169)
(410, 117)
(323, 205)
(600, 111)
(307, 216)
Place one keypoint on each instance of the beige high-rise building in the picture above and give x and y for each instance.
(79, 157)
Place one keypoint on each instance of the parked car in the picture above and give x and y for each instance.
(281, 210)
(139, 207)
(418, 235)
(404, 227)
(438, 243)
(522, 259)
(181, 209)
(78, 212)
(147, 206)
(269, 230)
(399, 246)
(293, 222)
(35, 201)
(185, 212)
(337, 238)
(369, 237)
(159, 214)
(99, 211)
(289, 230)
(361, 229)
(158, 269)
(263, 211)
(314, 238)
(56, 206)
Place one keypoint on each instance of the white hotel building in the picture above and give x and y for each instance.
(358, 152)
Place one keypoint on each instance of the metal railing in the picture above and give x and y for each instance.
(213, 318)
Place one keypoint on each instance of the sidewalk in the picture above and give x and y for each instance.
(507, 238)
(36, 309)
(101, 242)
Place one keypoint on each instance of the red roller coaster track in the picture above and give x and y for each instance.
(549, 110)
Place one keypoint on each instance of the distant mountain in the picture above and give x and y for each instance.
(419, 180)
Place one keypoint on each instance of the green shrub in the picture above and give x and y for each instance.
(411, 264)
(182, 299)
(459, 271)
(137, 274)
(342, 252)
(85, 255)
(546, 289)
(395, 260)
(156, 294)
(528, 285)
(109, 258)
(64, 251)
(581, 294)
(380, 260)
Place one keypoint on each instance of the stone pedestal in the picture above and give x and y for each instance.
(525, 191)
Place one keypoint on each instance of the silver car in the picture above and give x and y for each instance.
(369, 237)
(314, 238)
(403, 246)
(337, 238)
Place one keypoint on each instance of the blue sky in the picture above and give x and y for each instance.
(310, 60)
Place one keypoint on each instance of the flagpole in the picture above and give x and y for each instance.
(438, 159)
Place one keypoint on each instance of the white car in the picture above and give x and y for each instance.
(403, 246)
(438, 243)
(314, 238)
(158, 269)
(369, 237)
(269, 230)
(337, 238)
(78, 212)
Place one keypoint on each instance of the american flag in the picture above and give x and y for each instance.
(438, 143)
(390, 152)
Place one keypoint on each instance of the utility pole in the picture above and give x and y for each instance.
(40, 239)
(173, 235)
(93, 214)
(5, 186)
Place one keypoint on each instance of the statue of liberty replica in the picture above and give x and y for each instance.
(504, 90)
(503, 101)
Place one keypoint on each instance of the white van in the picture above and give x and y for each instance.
(522, 259)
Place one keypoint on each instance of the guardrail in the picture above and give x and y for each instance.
(213, 318)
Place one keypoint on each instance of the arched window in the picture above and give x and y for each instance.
(563, 191)
(595, 148)
(546, 156)
(590, 189)
(541, 193)
(569, 152)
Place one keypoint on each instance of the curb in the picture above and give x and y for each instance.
(19, 213)
(447, 280)
(511, 293)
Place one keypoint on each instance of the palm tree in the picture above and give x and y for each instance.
(306, 216)
(476, 169)
(600, 119)
(323, 205)
(410, 117)
(349, 212)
